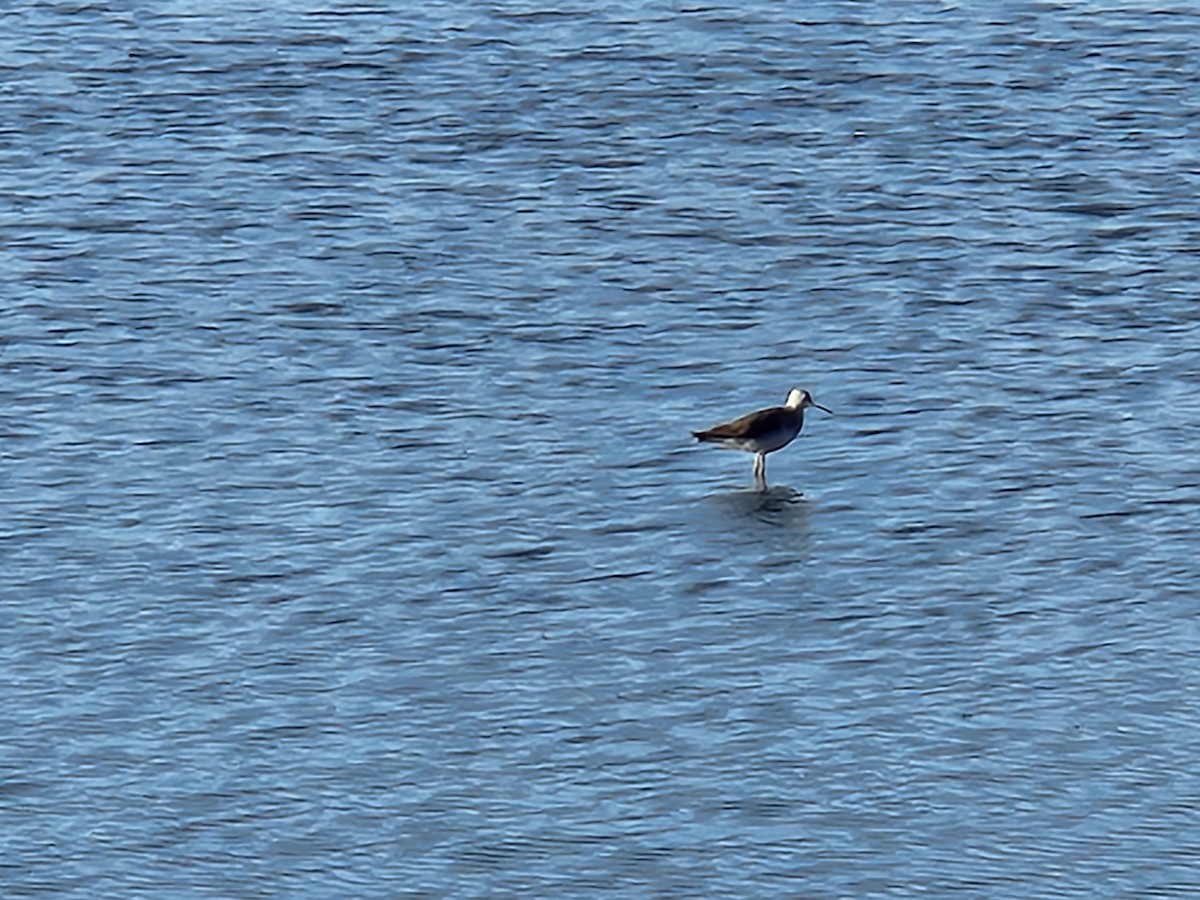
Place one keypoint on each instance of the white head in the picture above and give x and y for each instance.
(801, 399)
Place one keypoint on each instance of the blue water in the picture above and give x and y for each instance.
(353, 541)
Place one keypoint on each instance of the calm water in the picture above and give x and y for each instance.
(353, 543)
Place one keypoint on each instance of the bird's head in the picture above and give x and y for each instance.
(802, 399)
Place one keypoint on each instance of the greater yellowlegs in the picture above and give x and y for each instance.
(764, 431)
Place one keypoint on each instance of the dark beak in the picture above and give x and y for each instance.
(823, 409)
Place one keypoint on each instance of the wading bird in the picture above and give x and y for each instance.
(764, 431)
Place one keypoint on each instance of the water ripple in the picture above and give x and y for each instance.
(354, 537)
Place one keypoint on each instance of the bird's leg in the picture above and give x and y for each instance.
(760, 471)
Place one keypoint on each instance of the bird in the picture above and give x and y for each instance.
(763, 431)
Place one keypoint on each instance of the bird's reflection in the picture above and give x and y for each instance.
(782, 506)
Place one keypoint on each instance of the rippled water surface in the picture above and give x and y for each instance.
(353, 539)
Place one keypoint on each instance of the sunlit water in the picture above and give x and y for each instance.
(353, 540)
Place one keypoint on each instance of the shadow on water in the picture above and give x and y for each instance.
(770, 528)
(780, 506)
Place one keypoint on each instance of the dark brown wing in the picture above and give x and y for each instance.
(761, 422)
